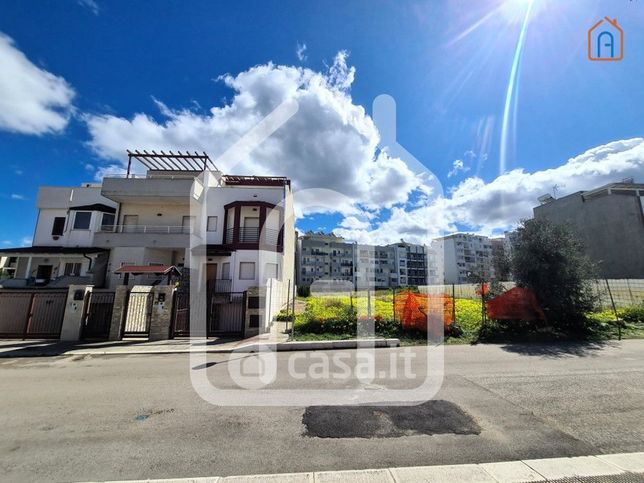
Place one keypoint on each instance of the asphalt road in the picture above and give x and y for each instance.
(135, 417)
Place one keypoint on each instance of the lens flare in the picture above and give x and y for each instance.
(512, 91)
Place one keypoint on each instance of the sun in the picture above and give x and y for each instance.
(514, 11)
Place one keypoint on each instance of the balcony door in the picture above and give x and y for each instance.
(250, 230)
(130, 223)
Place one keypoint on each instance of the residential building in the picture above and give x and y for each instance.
(331, 258)
(376, 267)
(324, 257)
(609, 221)
(464, 258)
(415, 264)
(241, 229)
(63, 249)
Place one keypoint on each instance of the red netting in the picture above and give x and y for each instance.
(515, 304)
(413, 310)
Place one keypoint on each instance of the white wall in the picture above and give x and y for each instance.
(56, 202)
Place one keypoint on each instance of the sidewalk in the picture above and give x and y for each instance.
(275, 340)
(624, 467)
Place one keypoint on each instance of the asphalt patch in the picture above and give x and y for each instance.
(431, 417)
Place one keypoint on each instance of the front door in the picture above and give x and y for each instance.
(211, 276)
(43, 274)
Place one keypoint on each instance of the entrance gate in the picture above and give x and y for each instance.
(33, 314)
(139, 314)
(97, 318)
(225, 315)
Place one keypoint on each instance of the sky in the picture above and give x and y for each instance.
(496, 103)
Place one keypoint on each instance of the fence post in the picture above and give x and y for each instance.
(288, 299)
(119, 312)
(453, 304)
(619, 325)
(630, 292)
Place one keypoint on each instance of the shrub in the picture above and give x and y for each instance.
(304, 291)
(632, 315)
(284, 317)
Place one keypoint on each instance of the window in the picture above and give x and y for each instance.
(72, 269)
(212, 223)
(225, 271)
(59, 226)
(271, 270)
(107, 221)
(82, 220)
(246, 270)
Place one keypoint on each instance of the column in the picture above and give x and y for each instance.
(161, 312)
(74, 312)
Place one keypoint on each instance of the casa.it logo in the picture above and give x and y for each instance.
(606, 41)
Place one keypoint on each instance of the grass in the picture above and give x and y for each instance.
(334, 318)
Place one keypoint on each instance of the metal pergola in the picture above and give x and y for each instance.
(162, 161)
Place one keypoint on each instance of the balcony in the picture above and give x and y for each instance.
(161, 236)
(164, 189)
(249, 237)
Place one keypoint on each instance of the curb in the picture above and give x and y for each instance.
(320, 345)
(540, 470)
(249, 348)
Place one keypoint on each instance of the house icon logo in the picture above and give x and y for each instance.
(606, 41)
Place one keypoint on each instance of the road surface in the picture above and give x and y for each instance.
(135, 417)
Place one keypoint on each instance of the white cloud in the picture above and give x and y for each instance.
(15, 196)
(32, 100)
(457, 167)
(91, 5)
(300, 51)
(330, 147)
(330, 143)
(25, 242)
(491, 207)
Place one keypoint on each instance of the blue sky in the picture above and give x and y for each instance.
(446, 64)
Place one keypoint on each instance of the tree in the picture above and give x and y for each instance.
(501, 263)
(550, 260)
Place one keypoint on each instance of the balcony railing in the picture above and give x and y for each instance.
(151, 229)
(251, 235)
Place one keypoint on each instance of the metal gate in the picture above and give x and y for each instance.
(36, 314)
(139, 314)
(226, 314)
(181, 314)
(97, 318)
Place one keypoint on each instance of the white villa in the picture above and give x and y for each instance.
(133, 229)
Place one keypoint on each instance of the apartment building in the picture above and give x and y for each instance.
(240, 229)
(415, 264)
(609, 221)
(331, 258)
(376, 267)
(324, 257)
(464, 258)
(63, 250)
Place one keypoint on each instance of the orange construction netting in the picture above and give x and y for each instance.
(515, 304)
(413, 310)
